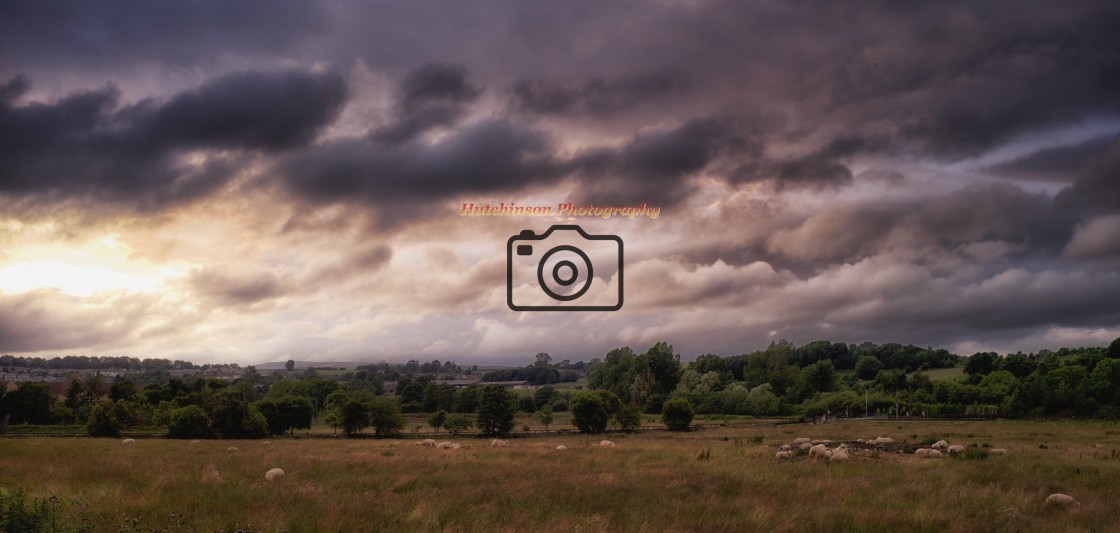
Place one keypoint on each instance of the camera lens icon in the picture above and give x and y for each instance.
(564, 269)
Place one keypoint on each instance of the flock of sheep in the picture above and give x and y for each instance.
(818, 449)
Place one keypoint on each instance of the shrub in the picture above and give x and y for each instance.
(677, 414)
(103, 421)
(189, 422)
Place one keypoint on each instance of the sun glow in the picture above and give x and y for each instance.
(83, 269)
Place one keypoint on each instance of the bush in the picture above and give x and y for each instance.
(16, 514)
(677, 414)
(497, 408)
(103, 421)
(385, 417)
(592, 410)
(189, 422)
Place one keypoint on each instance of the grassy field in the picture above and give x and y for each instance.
(654, 481)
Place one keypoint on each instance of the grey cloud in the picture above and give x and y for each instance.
(78, 35)
(484, 157)
(49, 320)
(86, 145)
(596, 96)
(1097, 189)
(230, 289)
(1060, 164)
(430, 96)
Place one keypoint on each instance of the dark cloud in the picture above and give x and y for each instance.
(230, 289)
(430, 96)
(79, 35)
(484, 157)
(596, 96)
(87, 145)
(1061, 164)
(49, 320)
(655, 167)
(1097, 189)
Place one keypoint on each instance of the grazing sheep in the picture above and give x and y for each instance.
(861, 441)
(445, 445)
(128, 441)
(805, 446)
(495, 443)
(456, 446)
(922, 452)
(266, 442)
(561, 448)
(232, 449)
(1061, 500)
(998, 451)
(940, 445)
(935, 453)
(785, 448)
(426, 442)
(956, 448)
(819, 450)
(783, 455)
(606, 444)
(883, 440)
(839, 455)
(826, 442)
(274, 474)
(802, 440)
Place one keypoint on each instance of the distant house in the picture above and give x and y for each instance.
(460, 383)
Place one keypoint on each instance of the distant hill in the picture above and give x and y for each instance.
(279, 365)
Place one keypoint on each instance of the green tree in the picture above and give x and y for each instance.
(385, 417)
(543, 359)
(189, 422)
(591, 410)
(103, 421)
(290, 365)
(232, 417)
(615, 373)
(544, 396)
(629, 417)
(74, 394)
(1113, 351)
(29, 403)
(544, 416)
(981, 364)
(437, 420)
(497, 408)
(1020, 365)
(353, 417)
(466, 399)
(819, 377)
(677, 414)
(287, 413)
(457, 423)
(121, 388)
(867, 367)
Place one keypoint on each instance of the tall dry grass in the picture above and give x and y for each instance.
(654, 481)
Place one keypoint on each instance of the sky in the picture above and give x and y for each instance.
(265, 180)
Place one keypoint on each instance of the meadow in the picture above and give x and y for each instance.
(715, 479)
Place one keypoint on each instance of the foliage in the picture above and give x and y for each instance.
(103, 420)
(544, 416)
(353, 417)
(497, 408)
(677, 414)
(286, 414)
(190, 422)
(868, 367)
(591, 410)
(29, 403)
(629, 418)
(385, 417)
(437, 420)
(457, 423)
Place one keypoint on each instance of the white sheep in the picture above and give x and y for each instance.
(956, 448)
(128, 441)
(805, 446)
(883, 440)
(861, 441)
(266, 442)
(802, 440)
(1062, 500)
(998, 451)
(785, 454)
(495, 443)
(232, 449)
(445, 445)
(923, 452)
(456, 446)
(274, 474)
(606, 444)
(785, 448)
(425, 442)
(561, 448)
(935, 454)
(940, 445)
(820, 450)
(826, 442)
(195, 441)
(839, 455)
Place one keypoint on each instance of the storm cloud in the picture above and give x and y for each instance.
(286, 176)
